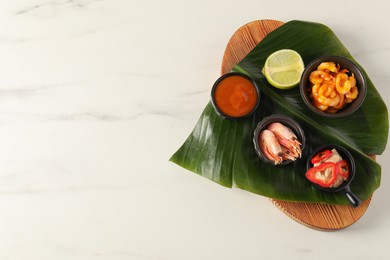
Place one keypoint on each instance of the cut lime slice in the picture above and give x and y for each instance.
(283, 68)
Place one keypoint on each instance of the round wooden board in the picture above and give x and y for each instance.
(314, 215)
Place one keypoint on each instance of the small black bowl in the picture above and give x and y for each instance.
(345, 186)
(287, 121)
(361, 84)
(215, 86)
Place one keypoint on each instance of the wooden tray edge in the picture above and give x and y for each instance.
(322, 217)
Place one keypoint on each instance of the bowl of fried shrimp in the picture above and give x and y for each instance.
(333, 86)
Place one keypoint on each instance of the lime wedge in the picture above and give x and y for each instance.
(283, 68)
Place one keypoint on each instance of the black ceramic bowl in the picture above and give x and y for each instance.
(217, 84)
(287, 121)
(305, 85)
(345, 186)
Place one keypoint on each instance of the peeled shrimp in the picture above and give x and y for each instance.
(328, 66)
(352, 94)
(341, 102)
(319, 76)
(328, 101)
(327, 90)
(342, 84)
(324, 96)
(319, 105)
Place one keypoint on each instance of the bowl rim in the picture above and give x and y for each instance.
(286, 120)
(359, 76)
(215, 85)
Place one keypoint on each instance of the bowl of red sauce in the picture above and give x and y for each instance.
(235, 95)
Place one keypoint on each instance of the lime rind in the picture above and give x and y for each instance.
(283, 69)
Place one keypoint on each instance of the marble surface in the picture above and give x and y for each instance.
(95, 96)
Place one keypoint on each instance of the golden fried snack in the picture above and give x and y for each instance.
(332, 88)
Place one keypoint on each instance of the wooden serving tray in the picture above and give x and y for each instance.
(314, 215)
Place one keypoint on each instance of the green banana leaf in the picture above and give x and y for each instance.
(223, 151)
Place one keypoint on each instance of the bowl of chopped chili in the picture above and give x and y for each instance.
(331, 168)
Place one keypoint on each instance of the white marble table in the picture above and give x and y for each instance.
(95, 96)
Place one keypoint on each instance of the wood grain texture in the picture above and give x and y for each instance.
(314, 215)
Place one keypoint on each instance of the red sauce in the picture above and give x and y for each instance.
(235, 96)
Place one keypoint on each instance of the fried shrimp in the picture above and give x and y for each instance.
(319, 76)
(352, 94)
(332, 87)
(327, 67)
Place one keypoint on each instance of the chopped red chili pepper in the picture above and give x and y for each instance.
(321, 156)
(324, 174)
(343, 169)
